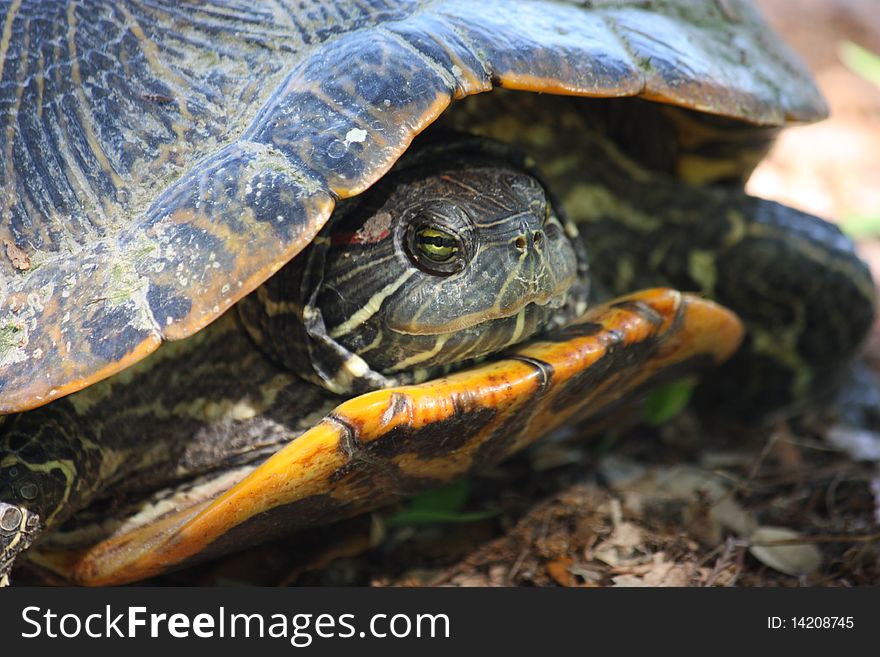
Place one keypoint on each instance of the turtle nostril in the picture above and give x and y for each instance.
(538, 238)
(520, 243)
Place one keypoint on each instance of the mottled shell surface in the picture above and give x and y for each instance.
(161, 159)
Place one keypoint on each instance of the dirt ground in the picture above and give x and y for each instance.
(686, 504)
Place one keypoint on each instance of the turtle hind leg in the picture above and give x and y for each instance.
(806, 298)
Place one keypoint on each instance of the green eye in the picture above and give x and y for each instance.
(435, 250)
(435, 244)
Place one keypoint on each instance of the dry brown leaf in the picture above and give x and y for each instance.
(470, 581)
(589, 575)
(794, 559)
(711, 506)
(607, 553)
(668, 573)
(558, 571)
(627, 580)
(659, 571)
(627, 535)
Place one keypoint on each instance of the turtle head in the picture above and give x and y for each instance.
(440, 263)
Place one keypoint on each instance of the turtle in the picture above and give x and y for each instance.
(269, 266)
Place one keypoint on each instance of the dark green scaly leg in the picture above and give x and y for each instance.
(18, 529)
(45, 468)
(805, 296)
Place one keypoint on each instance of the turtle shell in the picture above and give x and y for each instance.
(161, 160)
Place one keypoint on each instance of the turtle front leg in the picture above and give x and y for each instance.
(18, 529)
(50, 464)
(805, 296)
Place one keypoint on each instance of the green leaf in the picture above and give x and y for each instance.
(412, 517)
(667, 401)
(861, 226)
(449, 498)
(442, 505)
(860, 61)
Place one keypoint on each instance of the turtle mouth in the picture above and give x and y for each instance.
(547, 301)
(485, 333)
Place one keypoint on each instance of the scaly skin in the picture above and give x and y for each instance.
(18, 528)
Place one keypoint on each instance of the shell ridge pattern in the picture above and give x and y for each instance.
(230, 160)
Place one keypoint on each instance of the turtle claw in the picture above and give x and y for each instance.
(18, 529)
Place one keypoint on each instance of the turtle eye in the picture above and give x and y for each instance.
(436, 245)
(435, 250)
